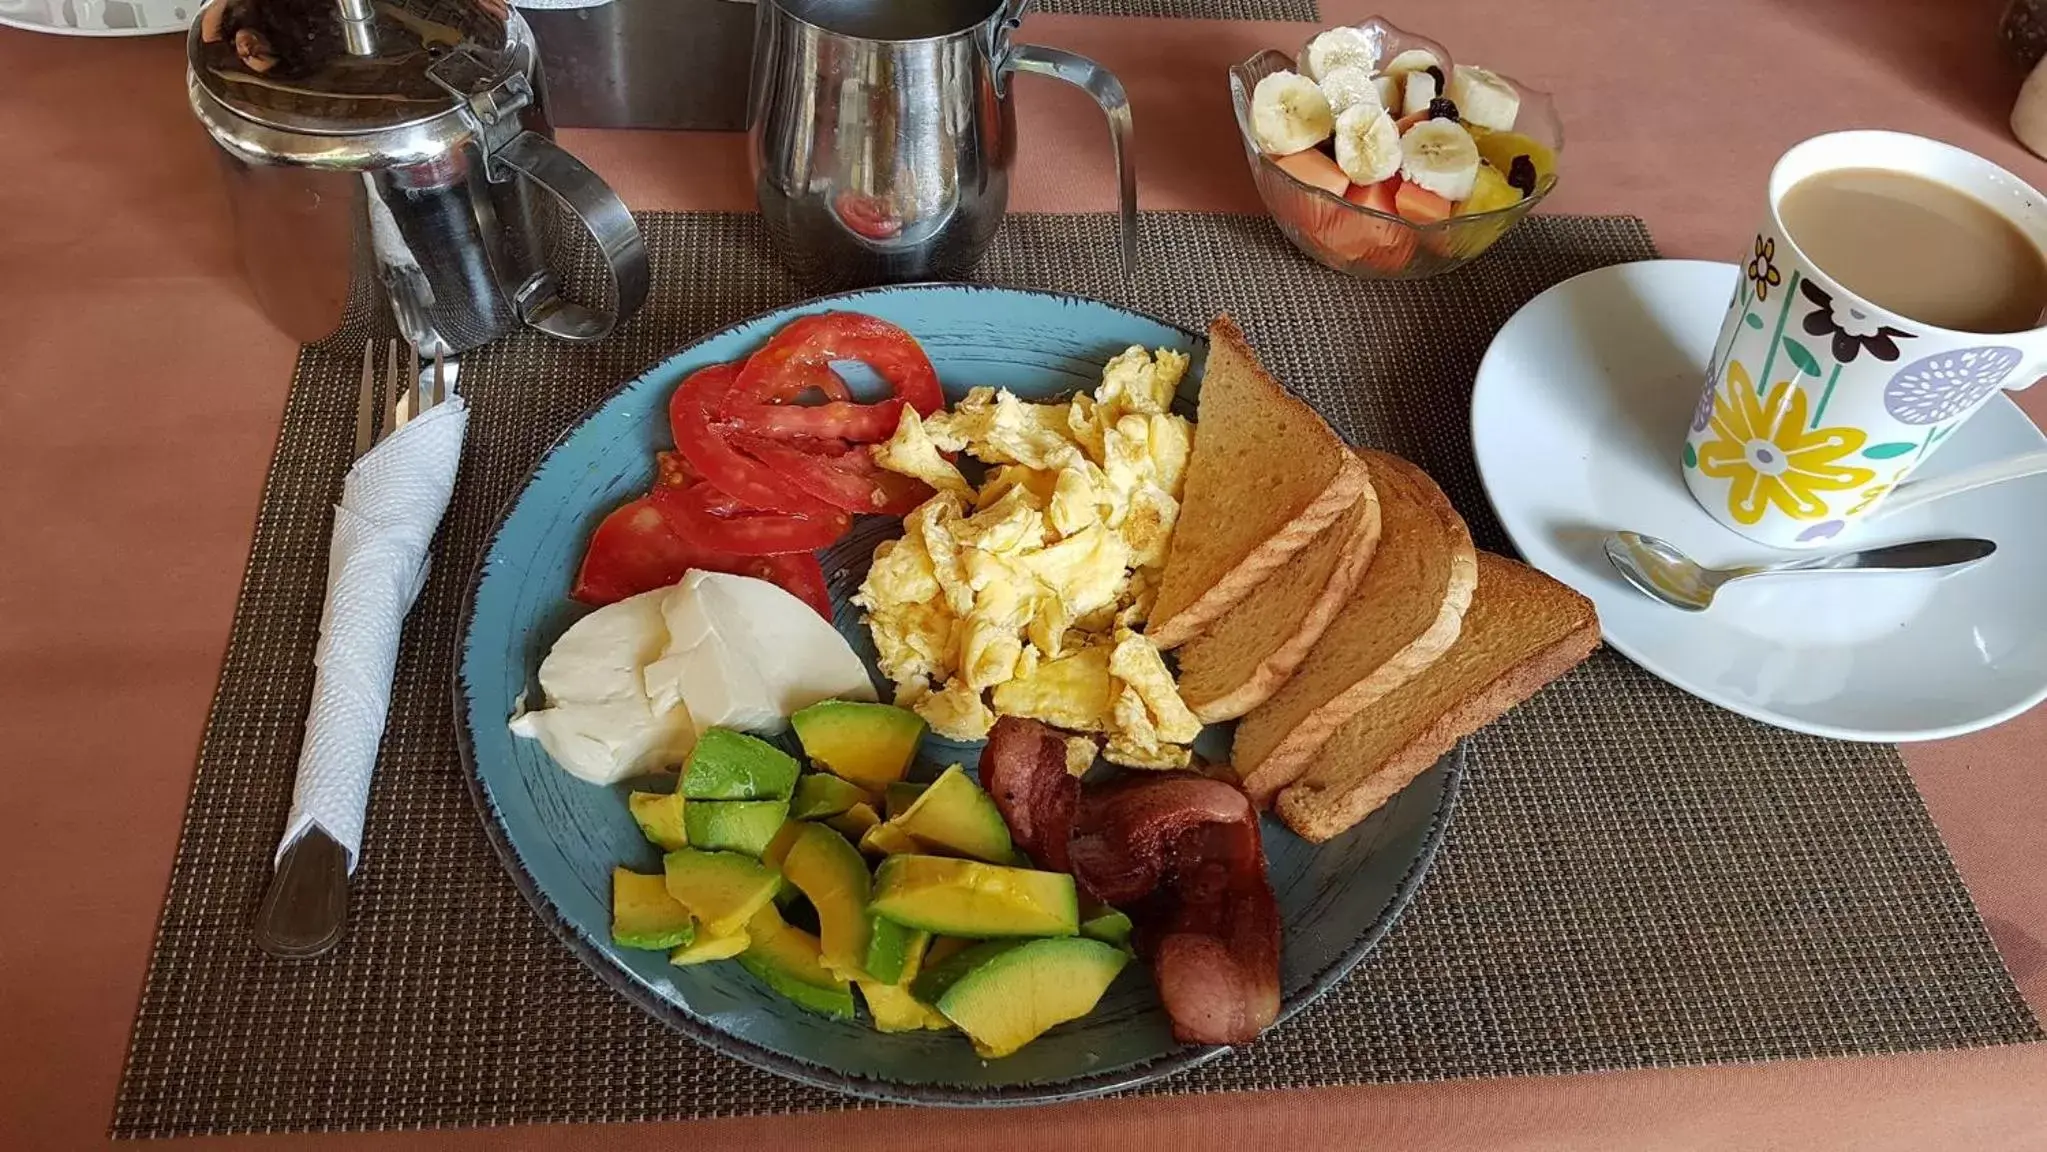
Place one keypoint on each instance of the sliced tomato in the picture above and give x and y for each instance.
(703, 444)
(635, 550)
(797, 573)
(673, 470)
(840, 474)
(819, 377)
(837, 420)
(703, 515)
(812, 341)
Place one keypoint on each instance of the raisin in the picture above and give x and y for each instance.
(1443, 108)
(1521, 174)
(1437, 73)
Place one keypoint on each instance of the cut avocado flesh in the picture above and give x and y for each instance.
(956, 818)
(728, 765)
(747, 826)
(644, 915)
(870, 744)
(659, 815)
(706, 948)
(897, 798)
(723, 890)
(790, 961)
(855, 821)
(1110, 927)
(1005, 993)
(820, 794)
(891, 1003)
(832, 875)
(969, 898)
(889, 840)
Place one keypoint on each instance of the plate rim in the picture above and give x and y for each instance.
(1453, 764)
(1774, 717)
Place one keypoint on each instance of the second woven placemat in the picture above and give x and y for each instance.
(1633, 877)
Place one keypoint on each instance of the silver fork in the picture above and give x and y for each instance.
(305, 910)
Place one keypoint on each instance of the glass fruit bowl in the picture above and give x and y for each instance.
(1360, 241)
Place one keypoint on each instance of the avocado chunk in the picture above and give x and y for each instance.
(790, 961)
(889, 840)
(897, 797)
(784, 839)
(855, 821)
(659, 815)
(821, 794)
(968, 898)
(728, 765)
(1006, 993)
(832, 875)
(722, 890)
(1109, 926)
(706, 948)
(891, 1003)
(870, 744)
(747, 826)
(954, 817)
(644, 915)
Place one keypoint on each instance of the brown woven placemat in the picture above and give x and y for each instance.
(1633, 877)
(1302, 10)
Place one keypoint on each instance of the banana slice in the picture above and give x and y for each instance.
(1419, 88)
(1484, 98)
(1389, 90)
(1338, 48)
(1440, 156)
(1412, 60)
(1350, 87)
(1368, 147)
(1289, 114)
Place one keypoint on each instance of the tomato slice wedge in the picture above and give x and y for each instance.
(837, 420)
(840, 474)
(703, 444)
(799, 574)
(704, 516)
(810, 342)
(635, 550)
(673, 470)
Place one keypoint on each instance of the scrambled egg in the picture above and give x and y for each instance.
(1025, 597)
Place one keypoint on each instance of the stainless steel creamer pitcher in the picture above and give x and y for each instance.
(883, 132)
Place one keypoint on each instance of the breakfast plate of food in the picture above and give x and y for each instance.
(962, 695)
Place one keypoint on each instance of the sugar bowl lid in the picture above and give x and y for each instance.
(350, 67)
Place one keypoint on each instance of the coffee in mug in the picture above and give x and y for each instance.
(1919, 248)
(1894, 286)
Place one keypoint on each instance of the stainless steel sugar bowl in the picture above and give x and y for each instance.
(400, 155)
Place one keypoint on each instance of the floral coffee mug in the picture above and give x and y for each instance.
(1818, 403)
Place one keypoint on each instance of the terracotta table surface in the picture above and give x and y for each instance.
(140, 395)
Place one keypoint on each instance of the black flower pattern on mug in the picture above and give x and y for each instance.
(1852, 329)
(1762, 271)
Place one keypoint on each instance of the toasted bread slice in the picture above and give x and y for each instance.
(1403, 615)
(1523, 631)
(1266, 476)
(1250, 650)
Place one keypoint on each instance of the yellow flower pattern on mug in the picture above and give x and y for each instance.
(1770, 457)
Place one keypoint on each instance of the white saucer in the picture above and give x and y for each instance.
(1577, 417)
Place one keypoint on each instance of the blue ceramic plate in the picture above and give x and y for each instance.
(560, 837)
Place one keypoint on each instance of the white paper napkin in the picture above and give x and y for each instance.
(391, 503)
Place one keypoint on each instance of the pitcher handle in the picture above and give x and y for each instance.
(604, 216)
(1101, 84)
